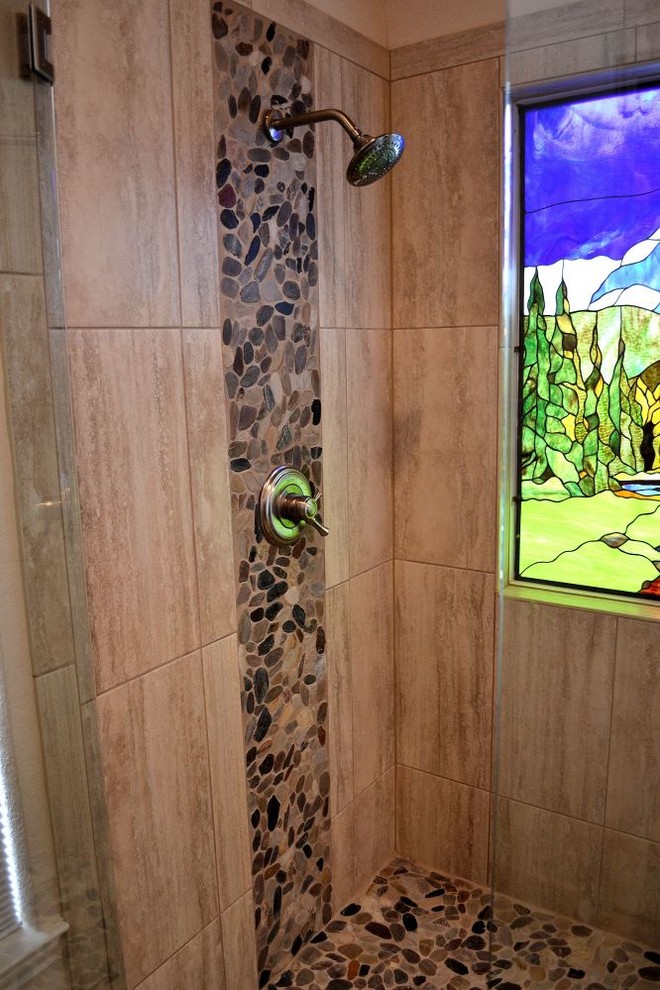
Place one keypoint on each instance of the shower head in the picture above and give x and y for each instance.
(373, 156)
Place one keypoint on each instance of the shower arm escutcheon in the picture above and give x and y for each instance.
(287, 505)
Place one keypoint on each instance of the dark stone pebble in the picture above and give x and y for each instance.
(456, 966)
(474, 942)
(509, 986)
(240, 464)
(340, 985)
(652, 956)
(409, 922)
(576, 974)
(350, 910)
(651, 973)
(381, 931)
(263, 725)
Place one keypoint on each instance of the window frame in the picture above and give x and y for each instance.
(517, 99)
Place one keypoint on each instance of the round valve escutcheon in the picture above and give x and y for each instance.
(287, 506)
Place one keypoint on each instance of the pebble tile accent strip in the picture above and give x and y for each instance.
(269, 276)
(419, 929)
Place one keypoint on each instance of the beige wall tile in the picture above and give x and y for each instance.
(156, 770)
(442, 53)
(547, 859)
(335, 455)
(239, 945)
(70, 813)
(116, 163)
(209, 475)
(374, 829)
(197, 966)
(332, 147)
(192, 87)
(445, 445)
(640, 11)
(16, 95)
(369, 405)
(648, 41)
(367, 210)
(562, 22)
(557, 672)
(132, 453)
(372, 666)
(445, 214)
(633, 787)
(340, 696)
(579, 55)
(442, 824)
(227, 760)
(630, 887)
(24, 337)
(444, 670)
(319, 27)
(342, 840)
(20, 233)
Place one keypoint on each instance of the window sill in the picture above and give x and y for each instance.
(27, 951)
(591, 601)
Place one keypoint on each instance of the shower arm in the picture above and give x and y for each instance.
(275, 124)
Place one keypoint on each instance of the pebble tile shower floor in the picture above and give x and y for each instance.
(419, 929)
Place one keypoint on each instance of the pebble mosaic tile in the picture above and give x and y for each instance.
(268, 281)
(415, 928)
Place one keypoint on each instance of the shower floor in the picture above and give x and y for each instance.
(419, 929)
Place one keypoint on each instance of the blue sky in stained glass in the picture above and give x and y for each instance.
(592, 176)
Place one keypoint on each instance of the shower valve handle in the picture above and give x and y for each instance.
(303, 508)
(287, 506)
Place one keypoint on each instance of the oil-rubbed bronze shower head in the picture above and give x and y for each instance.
(373, 157)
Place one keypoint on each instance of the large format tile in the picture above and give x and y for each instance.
(192, 87)
(335, 504)
(445, 442)
(372, 666)
(562, 22)
(547, 859)
(369, 406)
(20, 230)
(332, 146)
(444, 670)
(155, 764)
(448, 50)
(240, 948)
(196, 966)
(116, 163)
(227, 761)
(130, 422)
(640, 11)
(442, 824)
(24, 337)
(557, 672)
(630, 887)
(445, 198)
(209, 478)
(648, 41)
(633, 788)
(340, 696)
(374, 811)
(600, 51)
(367, 209)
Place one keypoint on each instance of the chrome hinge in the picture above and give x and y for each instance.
(35, 32)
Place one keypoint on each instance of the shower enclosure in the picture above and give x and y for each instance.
(242, 747)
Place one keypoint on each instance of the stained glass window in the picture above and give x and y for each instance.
(589, 428)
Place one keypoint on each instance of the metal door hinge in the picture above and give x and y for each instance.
(35, 32)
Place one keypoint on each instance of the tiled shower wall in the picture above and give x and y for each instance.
(146, 314)
(577, 813)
